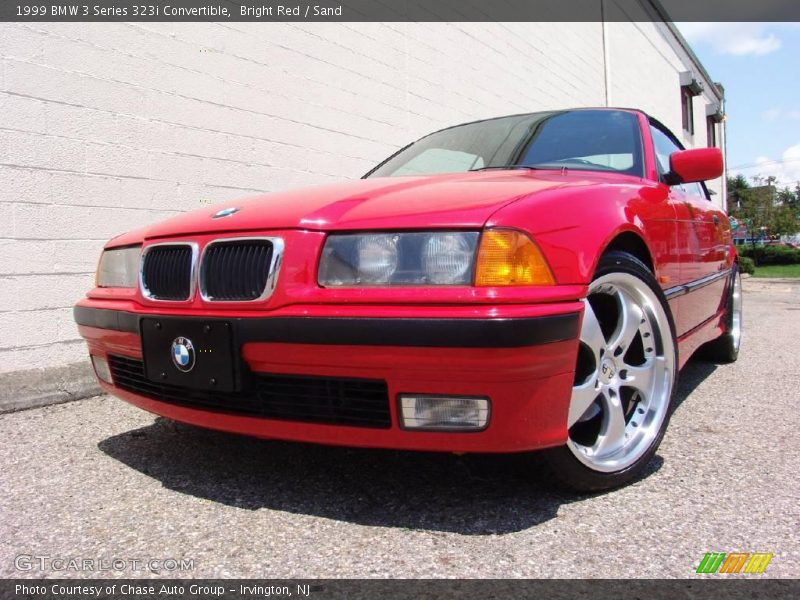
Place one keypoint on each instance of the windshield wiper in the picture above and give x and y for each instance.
(493, 167)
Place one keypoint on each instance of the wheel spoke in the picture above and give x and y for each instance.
(612, 432)
(631, 315)
(591, 333)
(583, 396)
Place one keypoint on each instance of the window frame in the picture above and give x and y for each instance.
(655, 124)
(637, 168)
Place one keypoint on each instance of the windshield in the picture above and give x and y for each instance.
(597, 140)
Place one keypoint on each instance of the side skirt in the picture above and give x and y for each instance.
(708, 330)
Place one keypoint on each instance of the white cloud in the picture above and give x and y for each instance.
(775, 113)
(758, 46)
(739, 39)
(786, 169)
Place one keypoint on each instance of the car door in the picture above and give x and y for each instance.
(703, 233)
(713, 231)
(688, 241)
(707, 222)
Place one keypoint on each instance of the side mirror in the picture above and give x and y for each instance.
(699, 164)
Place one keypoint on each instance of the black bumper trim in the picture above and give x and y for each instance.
(102, 318)
(680, 290)
(369, 331)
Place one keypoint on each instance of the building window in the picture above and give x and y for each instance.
(711, 132)
(687, 112)
(690, 87)
(714, 116)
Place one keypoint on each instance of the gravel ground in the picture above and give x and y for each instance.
(100, 479)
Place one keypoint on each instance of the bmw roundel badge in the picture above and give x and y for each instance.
(183, 354)
(225, 212)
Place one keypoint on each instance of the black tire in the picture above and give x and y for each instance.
(562, 462)
(725, 349)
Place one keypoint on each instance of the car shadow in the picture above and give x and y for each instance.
(470, 494)
(694, 372)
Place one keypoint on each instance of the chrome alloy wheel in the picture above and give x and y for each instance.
(736, 313)
(624, 376)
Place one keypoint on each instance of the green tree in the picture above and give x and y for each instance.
(788, 212)
(755, 207)
(785, 220)
(790, 198)
(737, 187)
(785, 197)
(763, 209)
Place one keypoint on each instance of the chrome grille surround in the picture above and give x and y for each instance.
(273, 268)
(146, 292)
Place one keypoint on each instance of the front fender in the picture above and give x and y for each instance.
(573, 227)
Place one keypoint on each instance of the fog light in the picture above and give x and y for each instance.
(101, 369)
(443, 413)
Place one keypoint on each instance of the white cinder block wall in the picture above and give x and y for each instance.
(645, 63)
(108, 127)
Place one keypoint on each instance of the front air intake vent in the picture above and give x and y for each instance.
(239, 270)
(300, 398)
(168, 271)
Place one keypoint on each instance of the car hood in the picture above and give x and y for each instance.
(459, 201)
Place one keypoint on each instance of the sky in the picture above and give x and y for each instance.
(759, 66)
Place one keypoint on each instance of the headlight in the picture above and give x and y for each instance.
(376, 258)
(435, 258)
(448, 258)
(119, 267)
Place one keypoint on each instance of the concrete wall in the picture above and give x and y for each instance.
(107, 127)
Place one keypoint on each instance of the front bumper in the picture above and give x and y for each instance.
(522, 358)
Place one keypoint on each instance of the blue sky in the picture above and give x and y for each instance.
(759, 66)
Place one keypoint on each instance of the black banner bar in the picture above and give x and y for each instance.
(399, 10)
(704, 587)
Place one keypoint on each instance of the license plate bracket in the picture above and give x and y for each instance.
(191, 353)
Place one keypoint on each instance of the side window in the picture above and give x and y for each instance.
(694, 189)
(664, 146)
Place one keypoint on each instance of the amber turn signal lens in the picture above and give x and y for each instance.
(508, 257)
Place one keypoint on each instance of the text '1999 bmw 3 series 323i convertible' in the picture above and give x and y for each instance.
(531, 282)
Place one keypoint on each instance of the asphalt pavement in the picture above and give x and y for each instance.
(99, 480)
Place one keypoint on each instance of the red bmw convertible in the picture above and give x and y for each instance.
(531, 282)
